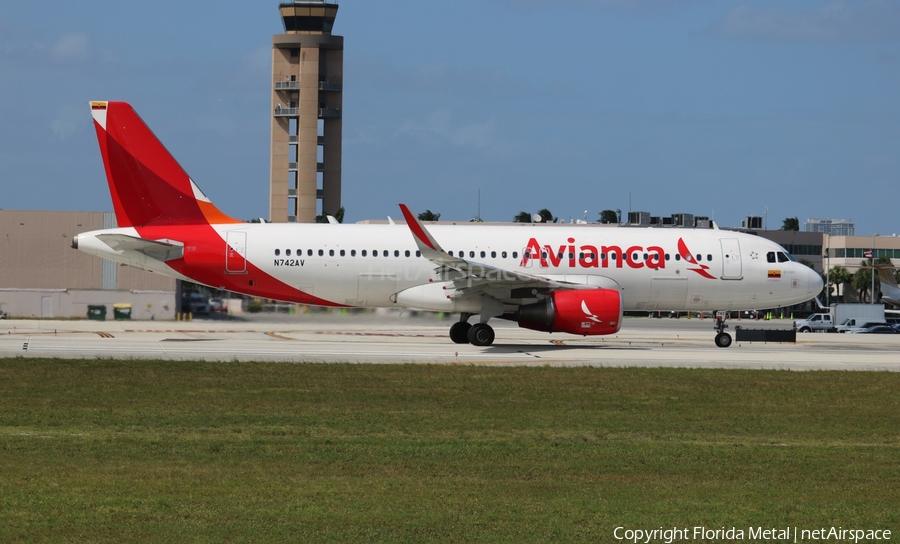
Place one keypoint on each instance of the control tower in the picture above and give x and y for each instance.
(307, 85)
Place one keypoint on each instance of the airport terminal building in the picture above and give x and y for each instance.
(42, 276)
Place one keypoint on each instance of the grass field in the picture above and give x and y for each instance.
(105, 451)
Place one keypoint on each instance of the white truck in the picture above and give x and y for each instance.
(849, 316)
(841, 318)
(815, 323)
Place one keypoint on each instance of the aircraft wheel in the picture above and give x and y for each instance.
(481, 334)
(459, 332)
(723, 339)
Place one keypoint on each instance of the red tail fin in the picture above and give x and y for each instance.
(147, 185)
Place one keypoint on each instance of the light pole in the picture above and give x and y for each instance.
(766, 218)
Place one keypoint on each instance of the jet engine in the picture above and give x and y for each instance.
(582, 311)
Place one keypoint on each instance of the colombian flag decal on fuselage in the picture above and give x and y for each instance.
(774, 274)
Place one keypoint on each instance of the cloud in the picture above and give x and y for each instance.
(72, 46)
(836, 21)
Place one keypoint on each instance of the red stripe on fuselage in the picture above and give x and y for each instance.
(204, 262)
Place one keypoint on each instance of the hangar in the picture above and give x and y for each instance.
(42, 276)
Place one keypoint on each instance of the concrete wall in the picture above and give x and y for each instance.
(41, 274)
(73, 303)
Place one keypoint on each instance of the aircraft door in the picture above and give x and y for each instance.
(731, 259)
(235, 252)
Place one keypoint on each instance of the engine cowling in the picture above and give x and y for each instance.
(583, 311)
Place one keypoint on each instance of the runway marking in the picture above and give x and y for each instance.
(385, 334)
(279, 336)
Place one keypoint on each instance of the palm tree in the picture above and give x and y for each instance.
(862, 280)
(522, 217)
(429, 215)
(546, 216)
(791, 223)
(838, 276)
(609, 216)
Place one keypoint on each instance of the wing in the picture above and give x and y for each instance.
(161, 250)
(471, 277)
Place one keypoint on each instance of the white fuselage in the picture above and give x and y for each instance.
(368, 265)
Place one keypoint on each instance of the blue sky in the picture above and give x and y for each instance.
(709, 107)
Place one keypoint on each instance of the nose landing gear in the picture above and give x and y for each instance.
(723, 339)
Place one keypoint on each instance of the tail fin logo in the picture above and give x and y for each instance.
(690, 259)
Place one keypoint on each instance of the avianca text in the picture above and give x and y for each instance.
(588, 256)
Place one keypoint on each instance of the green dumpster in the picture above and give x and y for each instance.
(97, 312)
(122, 311)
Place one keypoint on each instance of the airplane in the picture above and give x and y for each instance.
(573, 279)
(890, 292)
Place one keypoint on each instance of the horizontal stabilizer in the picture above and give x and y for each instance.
(161, 250)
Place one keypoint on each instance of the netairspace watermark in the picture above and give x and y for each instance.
(668, 535)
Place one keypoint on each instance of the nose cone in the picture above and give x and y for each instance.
(814, 281)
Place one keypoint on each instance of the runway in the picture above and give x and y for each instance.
(387, 339)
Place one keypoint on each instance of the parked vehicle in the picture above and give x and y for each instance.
(218, 305)
(196, 303)
(864, 327)
(852, 315)
(877, 329)
(815, 323)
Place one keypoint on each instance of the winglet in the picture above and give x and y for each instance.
(423, 239)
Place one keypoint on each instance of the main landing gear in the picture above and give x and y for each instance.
(723, 339)
(479, 334)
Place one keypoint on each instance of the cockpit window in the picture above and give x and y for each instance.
(784, 257)
(770, 257)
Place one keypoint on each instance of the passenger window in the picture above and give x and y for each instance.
(331, 253)
(287, 252)
(418, 253)
(374, 252)
(277, 252)
(309, 253)
(709, 257)
(342, 253)
(677, 257)
(450, 253)
(321, 252)
(407, 253)
(493, 254)
(646, 256)
(385, 253)
(503, 254)
(482, 254)
(667, 256)
(471, 254)
(515, 254)
(353, 253)
(699, 257)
